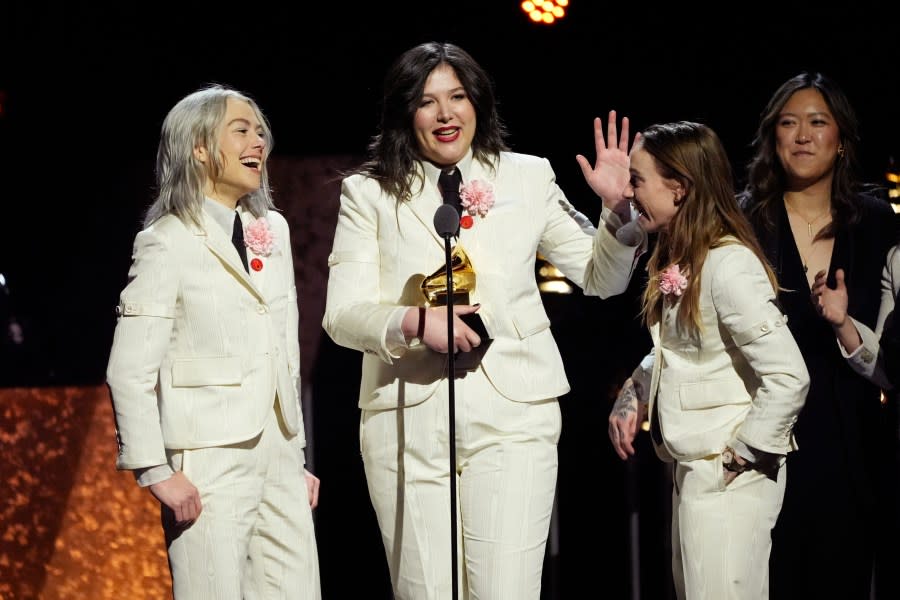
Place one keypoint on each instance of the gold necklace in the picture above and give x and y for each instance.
(809, 224)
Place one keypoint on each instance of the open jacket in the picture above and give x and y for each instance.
(742, 378)
(383, 249)
(201, 346)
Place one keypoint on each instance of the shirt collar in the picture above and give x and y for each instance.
(432, 171)
(221, 214)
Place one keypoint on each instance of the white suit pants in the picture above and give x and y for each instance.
(722, 536)
(506, 468)
(255, 538)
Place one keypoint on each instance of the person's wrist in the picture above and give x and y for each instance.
(734, 462)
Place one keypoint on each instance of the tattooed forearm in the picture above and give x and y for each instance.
(626, 402)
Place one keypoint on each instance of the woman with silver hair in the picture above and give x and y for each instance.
(205, 363)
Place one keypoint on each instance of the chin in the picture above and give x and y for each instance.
(647, 225)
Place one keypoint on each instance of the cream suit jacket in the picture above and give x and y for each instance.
(201, 347)
(383, 249)
(867, 360)
(743, 378)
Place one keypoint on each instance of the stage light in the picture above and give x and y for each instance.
(893, 177)
(545, 11)
(550, 279)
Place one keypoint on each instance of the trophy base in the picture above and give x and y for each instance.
(459, 298)
(469, 361)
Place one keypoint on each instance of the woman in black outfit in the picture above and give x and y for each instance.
(812, 214)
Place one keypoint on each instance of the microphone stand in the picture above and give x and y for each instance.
(451, 389)
(446, 222)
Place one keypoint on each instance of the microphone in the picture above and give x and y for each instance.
(446, 221)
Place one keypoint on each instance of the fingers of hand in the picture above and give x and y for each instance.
(611, 130)
(185, 516)
(623, 139)
(637, 138)
(599, 143)
(817, 303)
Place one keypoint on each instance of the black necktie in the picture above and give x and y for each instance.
(449, 184)
(237, 238)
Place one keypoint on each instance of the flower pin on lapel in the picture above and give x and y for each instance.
(260, 239)
(672, 282)
(477, 197)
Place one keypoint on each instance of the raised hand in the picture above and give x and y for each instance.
(609, 175)
(831, 304)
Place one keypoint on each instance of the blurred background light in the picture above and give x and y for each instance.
(545, 11)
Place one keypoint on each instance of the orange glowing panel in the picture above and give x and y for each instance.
(545, 11)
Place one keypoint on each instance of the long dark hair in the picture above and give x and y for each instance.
(692, 154)
(766, 179)
(393, 151)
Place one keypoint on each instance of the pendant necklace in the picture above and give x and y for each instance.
(809, 232)
(809, 224)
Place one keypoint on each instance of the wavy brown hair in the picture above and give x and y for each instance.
(693, 155)
(766, 178)
(394, 151)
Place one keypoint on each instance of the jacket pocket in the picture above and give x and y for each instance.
(530, 320)
(204, 371)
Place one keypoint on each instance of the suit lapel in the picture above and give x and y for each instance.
(423, 207)
(469, 237)
(220, 245)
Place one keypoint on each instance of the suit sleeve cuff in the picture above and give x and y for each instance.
(150, 475)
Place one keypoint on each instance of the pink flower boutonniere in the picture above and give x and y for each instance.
(477, 197)
(672, 282)
(259, 238)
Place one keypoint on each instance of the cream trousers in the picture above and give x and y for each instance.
(255, 538)
(722, 536)
(506, 467)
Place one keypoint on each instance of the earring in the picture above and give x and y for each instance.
(841, 150)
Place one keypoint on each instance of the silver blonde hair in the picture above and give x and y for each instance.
(180, 178)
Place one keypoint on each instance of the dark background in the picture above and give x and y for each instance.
(86, 88)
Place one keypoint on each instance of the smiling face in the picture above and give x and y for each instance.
(653, 196)
(444, 123)
(807, 138)
(242, 153)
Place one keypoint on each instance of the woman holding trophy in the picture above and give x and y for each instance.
(441, 141)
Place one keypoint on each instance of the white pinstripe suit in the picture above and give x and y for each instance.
(201, 351)
(507, 419)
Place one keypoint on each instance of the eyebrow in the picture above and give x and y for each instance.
(816, 113)
(241, 120)
(451, 91)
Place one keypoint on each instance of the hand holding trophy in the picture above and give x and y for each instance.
(435, 289)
